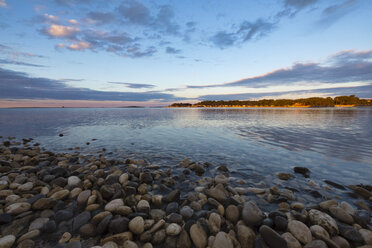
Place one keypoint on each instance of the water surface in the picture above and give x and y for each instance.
(335, 143)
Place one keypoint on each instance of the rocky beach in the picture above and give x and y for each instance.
(71, 199)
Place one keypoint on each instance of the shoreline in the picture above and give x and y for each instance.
(72, 200)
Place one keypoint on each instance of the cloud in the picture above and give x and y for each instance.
(360, 91)
(335, 12)
(13, 62)
(119, 43)
(134, 86)
(172, 50)
(100, 18)
(60, 31)
(19, 85)
(3, 3)
(343, 67)
(136, 13)
(14, 54)
(247, 31)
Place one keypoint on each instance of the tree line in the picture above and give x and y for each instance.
(351, 100)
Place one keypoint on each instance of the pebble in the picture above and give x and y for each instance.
(316, 244)
(137, 225)
(292, 242)
(340, 214)
(222, 240)
(246, 236)
(173, 229)
(272, 238)
(198, 236)
(252, 215)
(232, 213)
(113, 205)
(186, 212)
(7, 241)
(18, 208)
(300, 231)
(73, 181)
(214, 223)
(324, 220)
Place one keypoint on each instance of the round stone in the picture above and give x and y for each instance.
(300, 231)
(17, 208)
(137, 225)
(173, 229)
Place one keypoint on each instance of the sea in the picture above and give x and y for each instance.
(334, 143)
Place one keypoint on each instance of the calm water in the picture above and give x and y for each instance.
(334, 143)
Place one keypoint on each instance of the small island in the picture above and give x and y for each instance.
(339, 101)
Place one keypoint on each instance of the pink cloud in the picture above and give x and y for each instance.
(62, 31)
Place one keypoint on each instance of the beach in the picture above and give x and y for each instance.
(74, 200)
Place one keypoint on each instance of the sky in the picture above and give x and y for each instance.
(153, 53)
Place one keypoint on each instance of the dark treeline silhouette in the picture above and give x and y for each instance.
(302, 102)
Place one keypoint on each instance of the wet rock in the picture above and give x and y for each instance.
(198, 236)
(232, 213)
(214, 223)
(251, 214)
(80, 220)
(73, 181)
(27, 243)
(218, 192)
(44, 203)
(17, 208)
(103, 225)
(222, 240)
(316, 244)
(173, 196)
(145, 177)
(367, 236)
(280, 223)
(113, 205)
(119, 225)
(62, 215)
(361, 191)
(159, 237)
(324, 220)
(272, 238)
(341, 214)
(5, 219)
(172, 208)
(341, 242)
(87, 230)
(137, 225)
(59, 195)
(83, 197)
(183, 240)
(300, 231)
(221, 179)
(65, 238)
(7, 241)
(336, 185)
(284, 176)
(38, 223)
(186, 212)
(319, 232)
(327, 204)
(173, 229)
(73, 244)
(246, 236)
(292, 242)
(351, 234)
(175, 218)
(130, 244)
(143, 206)
(302, 170)
(26, 186)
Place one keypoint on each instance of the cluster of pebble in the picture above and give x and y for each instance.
(72, 200)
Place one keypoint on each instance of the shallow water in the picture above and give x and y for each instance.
(333, 143)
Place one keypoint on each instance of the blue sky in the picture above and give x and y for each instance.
(156, 52)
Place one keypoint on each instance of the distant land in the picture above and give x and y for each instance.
(339, 101)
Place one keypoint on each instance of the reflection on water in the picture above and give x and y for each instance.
(333, 141)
